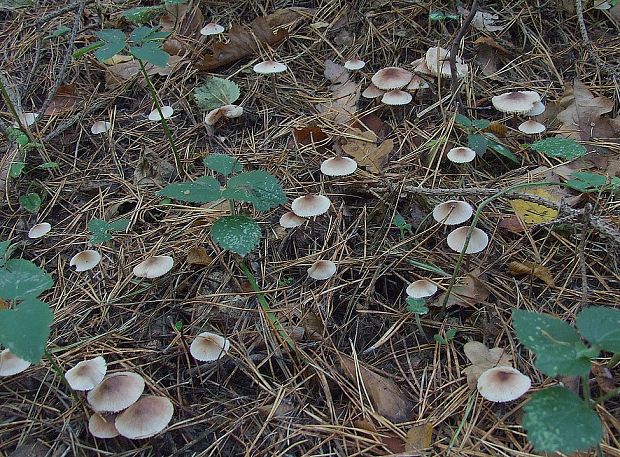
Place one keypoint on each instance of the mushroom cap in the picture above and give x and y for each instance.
(354, 64)
(145, 418)
(268, 67)
(227, 111)
(338, 166)
(538, 108)
(291, 220)
(461, 154)
(10, 364)
(452, 212)
(211, 28)
(154, 267)
(515, 102)
(39, 230)
(87, 374)
(322, 269)
(391, 78)
(502, 384)
(437, 61)
(416, 83)
(102, 426)
(372, 91)
(421, 288)
(311, 205)
(478, 241)
(396, 97)
(100, 127)
(27, 119)
(166, 110)
(85, 260)
(419, 66)
(531, 127)
(116, 392)
(208, 347)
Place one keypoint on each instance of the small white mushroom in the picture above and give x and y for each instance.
(208, 347)
(100, 127)
(10, 364)
(87, 374)
(311, 205)
(452, 212)
(502, 384)
(39, 230)
(396, 98)
(354, 64)
(391, 78)
(166, 111)
(531, 127)
(145, 418)
(291, 220)
(421, 288)
(154, 267)
(461, 154)
(338, 166)
(85, 260)
(322, 270)
(211, 28)
(477, 242)
(269, 67)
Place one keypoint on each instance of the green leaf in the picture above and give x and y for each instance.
(101, 229)
(30, 202)
(114, 42)
(216, 93)
(21, 278)
(557, 345)
(436, 16)
(257, 187)
(416, 305)
(504, 151)
(463, 120)
(48, 165)
(223, 164)
(586, 181)
(600, 325)
(450, 334)
(239, 234)
(175, 2)
(22, 139)
(25, 329)
(480, 124)
(86, 49)
(478, 143)
(16, 169)
(563, 148)
(401, 224)
(5, 252)
(151, 52)
(205, 189)
(141, 35)
(429, 267)
(557, 420)
(60, 31)
(143, 14)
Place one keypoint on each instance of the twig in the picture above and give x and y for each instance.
(454, 83)
(587, 209)
(35, 65)
(60, 12)
(611, 70)
(96, 106)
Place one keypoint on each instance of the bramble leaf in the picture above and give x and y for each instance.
(30, 202)
(239, 234)
(101, 229)
(563, 148)
(25, 329)
(586, 181)
(478, 143)
(215, 93)
(150, 52)
(21, 278)
(600, 325)
(143, 14)
(205, 189)
(223, 164)
(257, 187)
(113, 42)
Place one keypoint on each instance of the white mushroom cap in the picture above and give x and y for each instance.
(10, 364)
(85, 260)
(531, 127)
(478, 241)
(291, 220)
(396, 97)
(211, 29)
(311, 205)
(502, 384)
(354, 64)
(461, 154)
(515, 102)
(39, 230)
(87, 374)
(166, 111)
(100, 127)
(154, 267)
(437, 60)
(372, 91)
(417, 83)
(227, 111)
(208, 347)
(419, 66)
(102, 426)
(116, 392)
(391, 78)
(338, 166)
(269, 66)
(538, 108)
(421, 288)
(322, 269)
(452, 212)
(27, 119)
(145, 418)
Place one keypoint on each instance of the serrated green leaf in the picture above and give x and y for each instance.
(30, 202)
(25, 329)
(205, 189)
(480, 124)
(21, 278)
(223, 164)
(239, 234)
(586, 181)
(150, 52)
(504, 151)
(416, 305)
(563, 148)
(143, 14)
(4, 252)
(257, 187)
(101, 229)
(478, 143)
(600, 325)
(557, 345)
(113, 42)
(216, 93)
(557, 420)
(16, 169)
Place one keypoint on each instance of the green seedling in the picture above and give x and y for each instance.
(480, 140)
(144, 14)
(101, 230)
(557, 419)
(31, 202)
(417, 306)
(450, 334)
(402, 225)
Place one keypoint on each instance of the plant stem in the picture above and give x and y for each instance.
(615, 359)
(468, 408)
(60, 374)
(9, 103)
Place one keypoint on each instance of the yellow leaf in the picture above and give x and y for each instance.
(365, 150)
(533, 213)
(534, 269)
(117, 58)
(419, 437)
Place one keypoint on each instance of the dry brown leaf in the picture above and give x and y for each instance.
(386, 397)
(309, 135)
(151, 169)
(345, 94)
(313, 326)
(604, 378)
(471, 292)
(282, 409)
(531, 269)
(117, 74)
(188, 23)
(63, 102)
(364, 149)
(199, 256)
(374, 123)
(488, 55)
(512, 224)
(419, 437)
(482, 358)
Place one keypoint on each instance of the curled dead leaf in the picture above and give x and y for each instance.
(531, 269)
(470, 292)
(199, 256)
(345, 93)
(363, 148)
(482, 358)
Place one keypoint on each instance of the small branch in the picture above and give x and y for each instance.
(610, 70)
(587, 209)
(454, 83)
(60, 12)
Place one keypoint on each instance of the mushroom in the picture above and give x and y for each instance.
(27, 119)
(311, 205)
(419, 66)
(85, 260)
(166, 113)
(145, 418)
(269, 67)
(396, 97)
(154, 267)
(87, 374)
(417, 83)
(102, 426)
(116, 392)
(531, 127)
(322, 270)
(421, 288)
(437, 60)
(291, 220)
(338, 166)
(538, 108)
(519, 102)
(39, 230)
(502, 384)
(100, 127)
(477, 242)
(461, 154)
(10, 364)
(211, 28)
(390, 78)
(208, 347)
(226, 111)
(354, 64)
(372, 91)
(452, 212)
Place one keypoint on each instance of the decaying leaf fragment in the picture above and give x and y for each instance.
(532, 269)
(419, 437)
(533, 213)
(469, 293)
(482, 358)
(345, 94)
(364, 149)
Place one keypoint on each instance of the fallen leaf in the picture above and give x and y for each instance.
(3, 304)
(482, 358)
(63, 102)
(366, 152)
(419, 437)
(282, 409)
(188, 21)
(313, 326)
(483, 21)
(604, 378)
(471, 292)
(151, 169)
(512, 224)
(345, 94)
(199, 256)
(497, 128)
(531, 269)
(488, 55)
(374, 123)
(533, 213)
(309, 135)
(390, 440)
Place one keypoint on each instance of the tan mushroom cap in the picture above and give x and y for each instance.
(531, 127)
(322, 270)
(372, 91)
(354, 64)
(515, 102)
(502, 384)
(39, 230)
(311, 205)
(154, 267)
(338, 166)
(417, 83)
(452, 212)
(268, 67)
(461, 154)
(166, 110)
(85, 260)
(116, 392)
(10, 364)
(100, 127)
(396, 98)
(208, 347)
(421, 288)
(291, 220)
(419, 66)
(226, 111)
(211, 28)
(538, 108)
(145, 418)
(478, 241)
(391, 78)
(87, 374)
(102, 425)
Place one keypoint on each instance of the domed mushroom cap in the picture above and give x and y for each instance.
(478, 241)
(208, 347)
(502, 384)
(145, 418)
(85, 260)
(211, 29)
(10, 364)
(538, 108)
(372, 91)
(102, 426)
(338, 166)
(322, 269)
(100, 127)
(421, 288)
(87, 374)
(452, 212)
(311, 205)
(116, 392)
(269, 67)
(291, 220)
(461, 154)
(354, 64)
(39, 230)
(396, 98)
(515, 102)
(153, 267)
(166, 111)
(531, 127)
(391, 78)
(27, 119)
